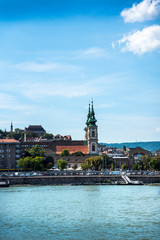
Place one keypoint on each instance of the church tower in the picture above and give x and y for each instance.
(91, 131)
(11, 130)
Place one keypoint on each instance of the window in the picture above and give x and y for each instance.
(93, 148)
(93, 133)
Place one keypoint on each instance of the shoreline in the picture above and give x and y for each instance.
(105, 184)
(80, 180)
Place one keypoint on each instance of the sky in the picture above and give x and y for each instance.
(58, 55)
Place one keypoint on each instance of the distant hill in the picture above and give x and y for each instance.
(150, 146)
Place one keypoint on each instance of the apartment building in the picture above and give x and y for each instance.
(10, 152)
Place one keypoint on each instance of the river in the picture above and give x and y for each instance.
(80, 212)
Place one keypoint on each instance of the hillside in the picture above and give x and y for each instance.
(150, 146)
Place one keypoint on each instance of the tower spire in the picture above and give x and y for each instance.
(11, 127)
(92, 116)
(89, 115)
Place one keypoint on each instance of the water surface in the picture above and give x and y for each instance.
(80, 212)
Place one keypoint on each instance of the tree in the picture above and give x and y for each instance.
(124, 148)
(65, 152)
(36, 151)
(78, 153)
(48, 136)
(124, 166)
(61, 164)
(37, 164)
(155, 163)
(85, 166)
(145, 162)
(112, 167)
(107, 161)
(25, 163)
(28, 163)
(93, 163)
(16, 135)
(48, 162)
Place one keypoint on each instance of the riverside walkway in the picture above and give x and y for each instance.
(77, 179)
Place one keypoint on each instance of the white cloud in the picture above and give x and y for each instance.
(158, 129)
(45, 67)
(140, 42)
(145, 10)
(92, 53)
(63, 90)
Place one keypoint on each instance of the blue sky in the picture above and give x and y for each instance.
(55, 56)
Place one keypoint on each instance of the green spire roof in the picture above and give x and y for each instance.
(88, 116)
(91, 120)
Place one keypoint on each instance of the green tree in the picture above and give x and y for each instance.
(124, 166)
(65, 152)
(112, 167)
(145, 162)
(25, 163)
(62, 164)
(124, 148)
(49, 165)
(16, 135)
(93, 163)
(31, 163)
(36, 151)
(85, 166)
(135, 166)
(142, 164)
(78, 153)
(37, 164)
(48, 162)
(155, 163)
(48, 136)
(107, 161)
(18, 130)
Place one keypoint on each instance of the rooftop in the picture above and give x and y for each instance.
(72, 149)
(8, 141)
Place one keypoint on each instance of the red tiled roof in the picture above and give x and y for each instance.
(72, 149)
(8, 141)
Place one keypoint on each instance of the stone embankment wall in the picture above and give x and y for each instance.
(76, 180)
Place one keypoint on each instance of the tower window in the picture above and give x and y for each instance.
(93, 148)
(93, 133)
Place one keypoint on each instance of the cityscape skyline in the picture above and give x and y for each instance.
(56, 56)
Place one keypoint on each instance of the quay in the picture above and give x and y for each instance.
(78, 180)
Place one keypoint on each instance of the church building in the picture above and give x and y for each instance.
(89, 146)
(91, 131)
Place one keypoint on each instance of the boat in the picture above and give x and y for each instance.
(4, 183)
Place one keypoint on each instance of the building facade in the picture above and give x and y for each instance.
(10, 152)
(37, 129)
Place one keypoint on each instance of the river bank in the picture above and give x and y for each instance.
(78, 180)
